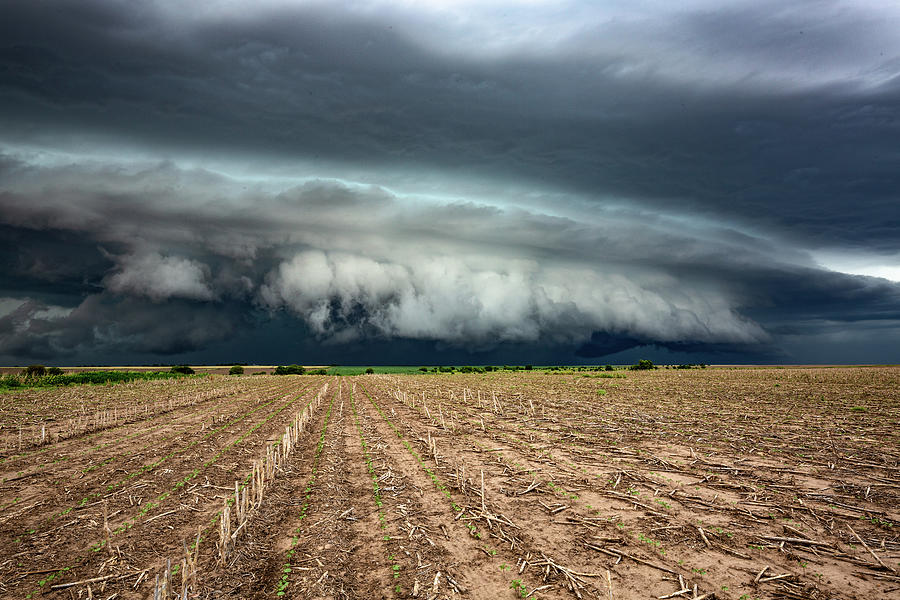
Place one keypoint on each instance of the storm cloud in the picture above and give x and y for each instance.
(575, 179)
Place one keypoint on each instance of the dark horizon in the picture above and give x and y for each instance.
(457, 182)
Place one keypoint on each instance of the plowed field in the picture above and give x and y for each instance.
(715, 483)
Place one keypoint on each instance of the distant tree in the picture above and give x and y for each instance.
(423, 369)
(289, 370)
(370, 371)
(34, 371)
(529, 367)
(236, 370)
(642, 365)
(608, 368)
(183, 369)
(54, 371)
(488, 368)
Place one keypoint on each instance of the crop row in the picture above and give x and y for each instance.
(475, 520)
(127, 406)
(283, 583)
(249, 494)
(146, 508)
(595, 474)
(144, 429)
(128, 476)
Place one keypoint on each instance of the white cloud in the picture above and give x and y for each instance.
(160, 277)
(448, 298)
(886, 267)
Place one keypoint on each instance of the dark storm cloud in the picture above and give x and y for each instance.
(619, 180)
(791, 126)
(355, 263)
(99, 323)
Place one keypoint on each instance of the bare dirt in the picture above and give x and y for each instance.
(715, 483)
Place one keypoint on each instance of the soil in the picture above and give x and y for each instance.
(713, 483)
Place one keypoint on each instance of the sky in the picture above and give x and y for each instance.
(449, 182)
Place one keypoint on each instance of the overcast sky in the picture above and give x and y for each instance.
(449, 181)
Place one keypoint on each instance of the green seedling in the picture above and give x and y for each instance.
(518, 587)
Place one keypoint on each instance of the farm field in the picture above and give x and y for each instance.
(207, 369)
(714, 483)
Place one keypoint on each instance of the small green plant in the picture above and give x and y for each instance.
(655, 543)
(877, 521)
(283, 582)
(518, 588)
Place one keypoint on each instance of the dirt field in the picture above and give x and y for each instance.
(725, 483)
